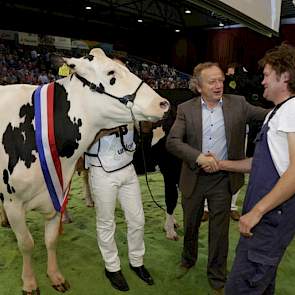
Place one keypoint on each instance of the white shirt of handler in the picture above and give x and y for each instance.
(112, 176)
(280, 125)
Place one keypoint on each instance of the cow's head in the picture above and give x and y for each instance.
(114, 82)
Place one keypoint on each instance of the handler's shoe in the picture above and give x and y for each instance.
(182, 269)
(143, 274)
(117, 280)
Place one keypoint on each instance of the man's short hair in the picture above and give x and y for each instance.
(196, 78)
(233, 65)
(281, 59)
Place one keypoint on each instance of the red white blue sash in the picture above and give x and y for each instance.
(46, 147)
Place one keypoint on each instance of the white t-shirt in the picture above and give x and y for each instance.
(281, 123)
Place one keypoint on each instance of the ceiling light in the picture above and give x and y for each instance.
(88, 7)
(139, 20)
(187, 11)
(221, 24)
(177, 30)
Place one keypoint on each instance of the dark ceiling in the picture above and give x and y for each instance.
(111, 17)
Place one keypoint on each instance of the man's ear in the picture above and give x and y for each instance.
(198, 87)
(286, 77)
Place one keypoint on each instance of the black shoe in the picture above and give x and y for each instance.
(117, 280)
(143, 274)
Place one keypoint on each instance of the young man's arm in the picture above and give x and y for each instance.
(242, 166)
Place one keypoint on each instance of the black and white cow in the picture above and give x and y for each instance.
(94, 97)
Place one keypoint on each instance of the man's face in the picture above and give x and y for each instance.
(230, 71)
(211, 84)
(273, 84)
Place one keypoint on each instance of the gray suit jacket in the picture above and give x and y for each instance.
(185, 137)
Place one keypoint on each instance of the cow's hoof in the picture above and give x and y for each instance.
(63, 287)
(172, 235)
(33, 292)
(89, 203)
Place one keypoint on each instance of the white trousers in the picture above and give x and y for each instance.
(106, 188)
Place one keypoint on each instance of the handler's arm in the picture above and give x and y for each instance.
(242, 166)
(282, 191)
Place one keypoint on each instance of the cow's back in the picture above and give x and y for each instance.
(12, 98)
(17, 134)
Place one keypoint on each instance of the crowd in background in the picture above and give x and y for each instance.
(32, 65)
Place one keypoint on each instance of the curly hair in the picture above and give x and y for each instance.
(282, 60)
(196, 77)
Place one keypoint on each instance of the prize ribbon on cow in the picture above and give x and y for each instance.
(46, 146)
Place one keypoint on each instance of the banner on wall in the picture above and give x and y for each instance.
(47, 40)
(62, 42)
(81, 44)
(28, 39)
(7, 35)
(107, 47)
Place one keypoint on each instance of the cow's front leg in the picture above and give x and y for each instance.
(51, 236)
(16, 216)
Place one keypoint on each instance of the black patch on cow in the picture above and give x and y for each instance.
(10, 189)
(1, 197)
(19, 142)
(72, 66)
(111, 73)
(90, 57)
(67, 132)
(113, 81)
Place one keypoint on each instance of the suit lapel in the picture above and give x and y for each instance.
(227, 111)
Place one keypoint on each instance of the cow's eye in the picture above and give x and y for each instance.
(89, 57)
(113, 81)
(111, 73)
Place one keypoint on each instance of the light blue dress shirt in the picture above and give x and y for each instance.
(214, 140)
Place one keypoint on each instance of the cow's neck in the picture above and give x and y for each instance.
(76, 124)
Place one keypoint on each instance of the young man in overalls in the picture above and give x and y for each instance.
(268, 224)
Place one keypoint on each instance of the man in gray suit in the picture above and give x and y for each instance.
(209, 128)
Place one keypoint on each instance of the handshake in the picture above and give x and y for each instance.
(209, 163)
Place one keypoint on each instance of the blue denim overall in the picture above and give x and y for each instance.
(257, 257)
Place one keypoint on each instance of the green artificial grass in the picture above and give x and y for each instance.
(82, 265)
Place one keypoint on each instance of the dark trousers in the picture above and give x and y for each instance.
(250, 277)
(257, 258)
(214, 187)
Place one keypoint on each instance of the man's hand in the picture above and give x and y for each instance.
(248, 221)
(208, 163)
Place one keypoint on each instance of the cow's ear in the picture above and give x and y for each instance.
(56, 60)
(97, 52)
(72, 63)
